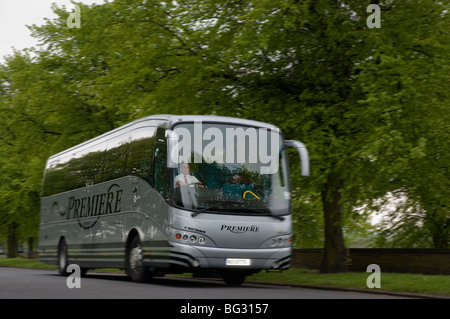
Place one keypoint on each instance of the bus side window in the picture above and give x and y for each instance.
(162, 177)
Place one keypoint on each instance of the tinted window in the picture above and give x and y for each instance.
(130, 153)
(162, 178)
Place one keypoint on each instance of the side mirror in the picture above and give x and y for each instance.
(302, 152)
(172, 149)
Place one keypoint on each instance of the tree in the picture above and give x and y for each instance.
(354, 95)
(312, 67)
(407, 82)
(294, 62)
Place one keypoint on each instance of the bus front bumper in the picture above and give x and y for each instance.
(197, 257)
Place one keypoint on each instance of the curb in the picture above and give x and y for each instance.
(376, 292)
(333, 288)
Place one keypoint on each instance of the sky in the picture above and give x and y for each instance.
(15, 15)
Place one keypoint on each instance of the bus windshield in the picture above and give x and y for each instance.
(230, 169)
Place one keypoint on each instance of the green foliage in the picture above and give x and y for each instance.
(407, 83)
(372, 105)
(20, 262)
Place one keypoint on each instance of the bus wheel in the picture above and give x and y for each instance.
(234, 279)
(135, 264)
(62, 258)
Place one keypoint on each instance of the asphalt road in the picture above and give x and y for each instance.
(18, 283)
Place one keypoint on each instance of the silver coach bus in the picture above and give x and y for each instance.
(172, 194)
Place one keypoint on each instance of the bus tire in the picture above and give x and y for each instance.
(62, 258)
(83, 271)
(233, 279)
(134, 261)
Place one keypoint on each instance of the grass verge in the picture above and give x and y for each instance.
(398, 282)
(413, 283)
(21, 262)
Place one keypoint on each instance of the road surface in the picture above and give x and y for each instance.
(48, 284)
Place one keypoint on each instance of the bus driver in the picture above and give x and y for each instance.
(185, 178)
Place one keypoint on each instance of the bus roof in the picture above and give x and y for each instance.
(171, 120)
(174, 119)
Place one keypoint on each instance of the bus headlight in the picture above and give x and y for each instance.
(189, 238)
(278, 242)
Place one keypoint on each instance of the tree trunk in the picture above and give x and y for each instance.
(335, 253)
(30, 253)
(12, 240)
(440, 230)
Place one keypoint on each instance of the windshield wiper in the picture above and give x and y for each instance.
(231, 208)
(261, 212)
(215, 205)
(277, 217)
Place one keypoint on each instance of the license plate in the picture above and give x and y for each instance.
(238, 262)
